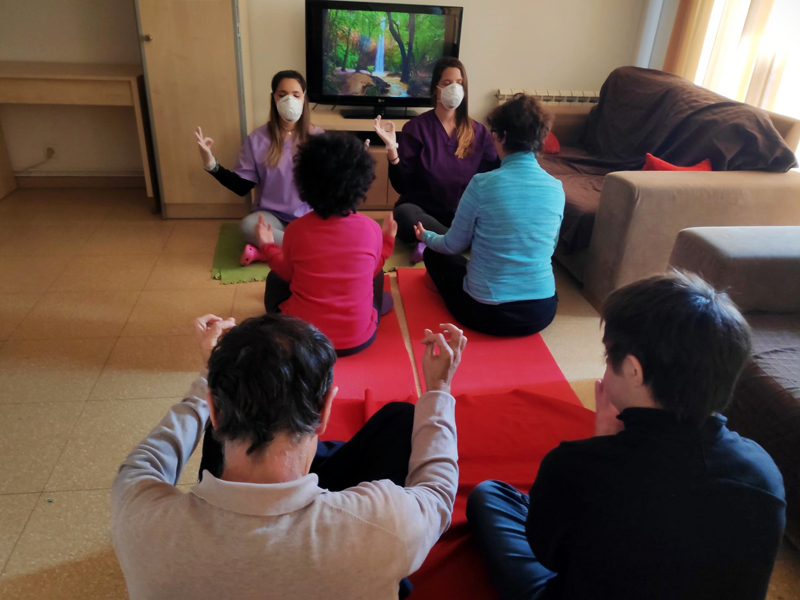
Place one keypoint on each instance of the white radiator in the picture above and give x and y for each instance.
(550, 97)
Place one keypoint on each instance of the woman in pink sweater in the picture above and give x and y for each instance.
(329, 269)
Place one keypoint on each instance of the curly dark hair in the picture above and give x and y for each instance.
(521, 123)
(333, 172)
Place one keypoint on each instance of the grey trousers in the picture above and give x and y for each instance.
(248, 227)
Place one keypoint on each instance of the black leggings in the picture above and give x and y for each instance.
(407, 215)
(277, 291)
(521, 318)
(380, 450)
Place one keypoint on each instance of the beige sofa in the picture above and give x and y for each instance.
(640, 213)
(759, 267)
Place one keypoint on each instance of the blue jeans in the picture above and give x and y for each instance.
(497, 513)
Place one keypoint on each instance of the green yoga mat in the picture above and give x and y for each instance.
(226, 266)
(231, 244)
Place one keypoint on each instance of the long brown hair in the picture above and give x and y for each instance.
(464, 128)
(277, 135)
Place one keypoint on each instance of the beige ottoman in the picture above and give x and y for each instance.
(760, 268)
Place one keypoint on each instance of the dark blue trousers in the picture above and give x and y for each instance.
(497, 513)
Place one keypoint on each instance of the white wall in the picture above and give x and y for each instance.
(563, 44)
(664, 32)
(89, 140)
(648, 30)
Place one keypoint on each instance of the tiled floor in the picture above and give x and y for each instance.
(96, 299)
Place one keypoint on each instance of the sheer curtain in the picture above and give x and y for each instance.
(748, 50)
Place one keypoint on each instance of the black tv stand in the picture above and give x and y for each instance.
(370, 112)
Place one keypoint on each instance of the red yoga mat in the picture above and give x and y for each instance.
(490, 364)
(500, 436)
(384, 367)
(349, 415)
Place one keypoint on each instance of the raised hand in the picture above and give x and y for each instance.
(438, 369)
(207, 331)
(264, 232)
(419, 230)
(605, 419)
(388, 135)
(205, 144)
(389, 227)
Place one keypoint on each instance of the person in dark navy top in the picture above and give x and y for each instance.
(665, 501)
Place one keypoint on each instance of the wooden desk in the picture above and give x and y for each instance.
(71, 84)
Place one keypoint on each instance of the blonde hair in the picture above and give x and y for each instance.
(465, 132)
(277, 135)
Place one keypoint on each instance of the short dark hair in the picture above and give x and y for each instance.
(691, 341)
(333, 172)
(269, 375)
(522, 124)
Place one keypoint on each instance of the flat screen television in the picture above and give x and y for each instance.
(374, 54)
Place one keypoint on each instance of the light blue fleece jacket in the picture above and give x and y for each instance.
(511, 218)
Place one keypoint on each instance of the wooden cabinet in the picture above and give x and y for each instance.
(381, 195)
(191, 52)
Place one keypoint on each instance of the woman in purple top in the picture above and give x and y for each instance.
(267, 166)
(441, 151)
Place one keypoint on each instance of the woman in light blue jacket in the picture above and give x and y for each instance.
(511, 219)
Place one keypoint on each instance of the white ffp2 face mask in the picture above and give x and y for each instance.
(452, 96)
(290, 108)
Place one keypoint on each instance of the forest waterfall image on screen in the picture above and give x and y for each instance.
(375, 53)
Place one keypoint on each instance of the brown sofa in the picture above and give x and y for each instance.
(620, 223)
(759, 267)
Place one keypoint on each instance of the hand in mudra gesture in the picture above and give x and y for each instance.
(420, 231)
(606, 422)
(205, 144)
(388, 135)
(389, 227)
(207, 330)
(264, 232)
(442, 356)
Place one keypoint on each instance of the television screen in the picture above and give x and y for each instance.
(365, 52)
(372, 53)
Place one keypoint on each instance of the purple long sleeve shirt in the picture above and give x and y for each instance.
(275, 186)
(429, 174)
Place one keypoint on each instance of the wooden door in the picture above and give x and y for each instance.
(190, 60)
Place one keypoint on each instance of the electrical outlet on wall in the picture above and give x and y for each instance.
(50, 151)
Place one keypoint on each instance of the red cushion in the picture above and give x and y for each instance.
(551, 145)
(651, 163)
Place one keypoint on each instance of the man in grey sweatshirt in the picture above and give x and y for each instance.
(266, 528)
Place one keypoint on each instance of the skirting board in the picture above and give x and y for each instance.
(205, 211)
(79, 181)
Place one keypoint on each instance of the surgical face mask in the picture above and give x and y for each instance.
(290, 108)
(451, 96)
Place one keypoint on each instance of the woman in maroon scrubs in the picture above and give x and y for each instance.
(440, 151)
